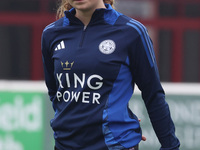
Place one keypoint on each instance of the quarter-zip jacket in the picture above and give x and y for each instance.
(90, 74)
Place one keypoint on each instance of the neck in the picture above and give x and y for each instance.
(86, 15)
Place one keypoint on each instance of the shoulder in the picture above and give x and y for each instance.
(49, 31)
(54, 25)
(131, 25)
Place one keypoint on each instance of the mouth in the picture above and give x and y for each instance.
(78, 1)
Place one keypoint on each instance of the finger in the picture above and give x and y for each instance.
(144, 138)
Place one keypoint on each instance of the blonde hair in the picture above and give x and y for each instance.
(64, 6)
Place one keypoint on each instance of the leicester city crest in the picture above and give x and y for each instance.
(107, 46)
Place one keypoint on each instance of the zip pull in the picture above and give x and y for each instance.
(85, 27)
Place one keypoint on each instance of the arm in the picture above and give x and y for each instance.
(48, 68)
(145, 75)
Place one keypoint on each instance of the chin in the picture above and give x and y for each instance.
(82, 8)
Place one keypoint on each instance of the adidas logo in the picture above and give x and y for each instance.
(60, 46)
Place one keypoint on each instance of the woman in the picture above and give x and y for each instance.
(93, 56)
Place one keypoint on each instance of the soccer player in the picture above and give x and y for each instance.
(93, 56)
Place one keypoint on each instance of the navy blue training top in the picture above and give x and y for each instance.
(90, 73)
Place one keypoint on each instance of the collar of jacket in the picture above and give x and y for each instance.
(108, 15)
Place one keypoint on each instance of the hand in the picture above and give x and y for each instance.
(143, 137)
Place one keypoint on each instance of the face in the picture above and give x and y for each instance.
(86, 5)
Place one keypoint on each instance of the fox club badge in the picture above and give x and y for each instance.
(107, 47)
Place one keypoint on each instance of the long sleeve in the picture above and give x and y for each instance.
(145, 75)
(48, 68)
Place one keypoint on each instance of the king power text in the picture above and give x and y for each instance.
(78, 83)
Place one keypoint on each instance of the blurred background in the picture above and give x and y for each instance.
(174, 26)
